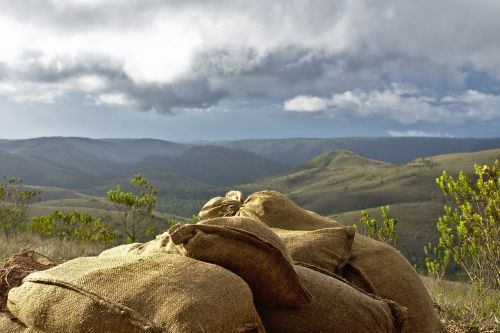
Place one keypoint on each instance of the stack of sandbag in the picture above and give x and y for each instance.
(290, 298)
(372, 266)
(248, 266)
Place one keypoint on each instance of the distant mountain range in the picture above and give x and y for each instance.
(337, 183)
(82, 163)
(389, 149)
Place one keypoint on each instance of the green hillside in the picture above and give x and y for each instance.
(341, 183)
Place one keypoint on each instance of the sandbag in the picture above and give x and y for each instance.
(381, 269)
(159, 244)
(328, 248)
(251, 250)
(128, 294)
(277, 211)
(222, 206)
(336, 308)
(9, 324)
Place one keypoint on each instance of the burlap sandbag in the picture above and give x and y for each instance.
(337, 308)
(156, 293)
(9, 324)
(277, 211)
(379, 268)
(222, 206)
(328, 248)
(159, 244)
(251, 250)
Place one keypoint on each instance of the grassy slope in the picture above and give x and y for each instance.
(340, 184)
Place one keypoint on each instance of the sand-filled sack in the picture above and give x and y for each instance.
(336, 308)
(277, 211)
(158, 245)
(222, 206)
(251, 250)
(328, 248)
(128, 294)
(382, 270)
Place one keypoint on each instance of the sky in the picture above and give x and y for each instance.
(229, 69)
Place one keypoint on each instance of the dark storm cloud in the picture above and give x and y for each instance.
(241, 50)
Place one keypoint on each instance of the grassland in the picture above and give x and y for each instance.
(462, 309)
(340, 184)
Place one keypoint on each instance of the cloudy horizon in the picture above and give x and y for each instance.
(201, 70)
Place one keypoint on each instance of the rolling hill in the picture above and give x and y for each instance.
(341, 183)
(213, 165)
(389, 149)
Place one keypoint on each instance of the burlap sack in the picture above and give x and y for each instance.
(222, 206)
(159, 244)
(277, 211)
(379, 268)
(156, 293)
(336, 308)
(9, 324)
(327, 248)
(251, 250)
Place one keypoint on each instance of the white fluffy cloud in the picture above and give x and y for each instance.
(306, 103)
(404, 105)
(195, 53)
(418, 133)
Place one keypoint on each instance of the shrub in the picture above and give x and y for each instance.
(385, 233)
(470, 231)
(14, 203)
(72, 226)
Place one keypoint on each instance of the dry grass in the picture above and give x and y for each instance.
(464, 309)
(56, 249)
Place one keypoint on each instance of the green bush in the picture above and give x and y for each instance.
(385, 233)
(470, 230)
(72, 226)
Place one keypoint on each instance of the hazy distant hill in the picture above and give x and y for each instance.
(389, 149)
(40, 171)
(214, 165)
(117, 150)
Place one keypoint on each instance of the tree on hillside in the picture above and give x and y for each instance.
(134, 207)
(470, 230)
(14, 203)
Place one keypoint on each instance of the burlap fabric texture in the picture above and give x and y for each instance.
(8, 324)
(128, 294)
(381, 269)
(158, 245)
(251, 250)
(373, 266)
(336, 308)
(328, 248)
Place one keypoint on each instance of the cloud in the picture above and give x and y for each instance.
(405, 105)
(418, 133)
(170, 55)
(110, 99)
(306, 103)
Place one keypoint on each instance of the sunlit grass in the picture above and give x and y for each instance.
(465, 309)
